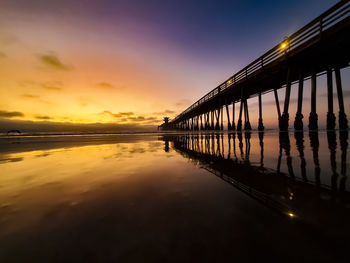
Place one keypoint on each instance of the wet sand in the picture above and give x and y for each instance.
(143, 199)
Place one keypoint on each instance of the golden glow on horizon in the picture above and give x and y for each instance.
(80, 88)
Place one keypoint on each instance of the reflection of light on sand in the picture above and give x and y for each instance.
(65, 177)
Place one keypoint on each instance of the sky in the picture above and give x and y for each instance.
(130, 63)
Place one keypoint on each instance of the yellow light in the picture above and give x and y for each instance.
(291, 196)
(291, 215)
(284, 45)
(229, 81)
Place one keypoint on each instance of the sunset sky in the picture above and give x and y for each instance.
(134, 62)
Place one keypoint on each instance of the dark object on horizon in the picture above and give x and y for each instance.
(13, 132)
(165, 125)
(320, 47)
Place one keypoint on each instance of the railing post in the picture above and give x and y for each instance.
(313, 118)
(298, 122)
(343, 122)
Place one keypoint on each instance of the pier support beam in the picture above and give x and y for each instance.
(229, 127)
(239, 123)
(298, 122)
(313, 118)
(343, 122)
(233, 116)
(330, 113)
(261, 125)
(222, 117)
(284, 122)
(217, 115)
(247, 126)
(278, 107)
(207, 127)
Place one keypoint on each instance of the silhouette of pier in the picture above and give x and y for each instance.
(320, 47)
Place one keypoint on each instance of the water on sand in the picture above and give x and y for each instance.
(175, 197)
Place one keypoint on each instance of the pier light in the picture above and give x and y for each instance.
(284, 45)
(291, 215)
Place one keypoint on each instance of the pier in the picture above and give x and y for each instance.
(320, 47)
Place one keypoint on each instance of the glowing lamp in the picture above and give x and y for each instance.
(284, 45)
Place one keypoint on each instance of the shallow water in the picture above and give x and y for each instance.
(175, 197)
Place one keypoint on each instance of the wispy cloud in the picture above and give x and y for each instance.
(130, 117)
(42, 117)
(7, 39)
(143, 120)
(105, 85)
(53, 62)
(52, 85)
(117, 115)
(30, 96)
(165, 112)
(11, 114)
(136, 119)
(183, 103)
(49, 126)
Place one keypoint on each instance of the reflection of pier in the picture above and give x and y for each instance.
(285, 192)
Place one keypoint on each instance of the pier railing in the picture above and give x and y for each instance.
(304, 37)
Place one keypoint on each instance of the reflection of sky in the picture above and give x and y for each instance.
(66, 173)
(50, 177)
(89, 62)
